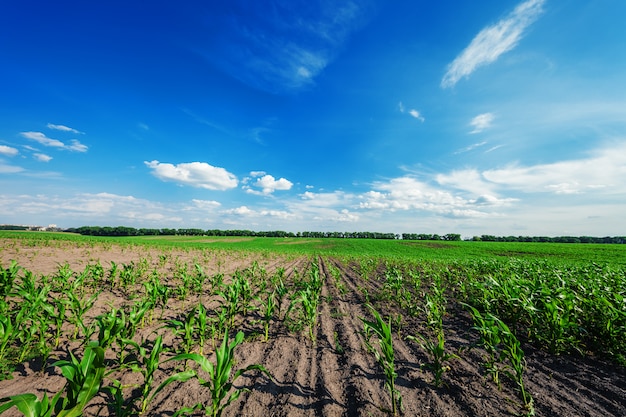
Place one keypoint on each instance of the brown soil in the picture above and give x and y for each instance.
(336, 376)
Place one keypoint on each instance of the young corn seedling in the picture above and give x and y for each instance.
(7, 277)
(490, 340)
(308, 299)
(268, 312)
(384, 355)
(186, 329)
(83, 382)
(513, 352)
(438, 354)
(230, 294)
(220, 377)
(148, 365)
(78, 306)
(84, 379)
(30, 406)
(202, 321)
(436, 348)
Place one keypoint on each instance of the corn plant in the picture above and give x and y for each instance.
(502, 345)
(30, 406)
(147, 365)
(385, 355)
(490, 340)
(439, 357)
(83, 378)
(219, 324)
(308, 300)
(435, 347)
(157, 293)
(219, 381)
(280, 292)
(230, 294)
(111, 327)
(186, 329)
(7, 277)
(77, 307)
(513, 352)
(268, 313)
(197, 280)
(203, 322)
(83, 381)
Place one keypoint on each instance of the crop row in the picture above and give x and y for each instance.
(562, 309)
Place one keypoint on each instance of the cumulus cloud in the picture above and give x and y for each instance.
(481, 122)
(42, 139)
(64, 128)
(493, 41)
(194, 174)
(409, 194)
(269, 184)
(240, 211)
(8, 151)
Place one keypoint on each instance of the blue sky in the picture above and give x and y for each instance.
(492, 117)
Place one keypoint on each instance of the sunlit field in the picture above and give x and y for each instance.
(240, 326)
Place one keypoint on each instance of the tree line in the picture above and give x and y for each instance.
(131, 231)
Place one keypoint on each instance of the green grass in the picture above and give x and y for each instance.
(395, 249)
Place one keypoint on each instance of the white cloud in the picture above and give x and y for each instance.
(206, 204)
(481, 122)
(195, 174)
(604, 172)
(284, 50)
(54, 143)
(416, 114)
(255, 174)
(471, 147)
(9, 169)
(64, 128)
(240, 211)
(269, 184)
(42, 157)
(409, 194)
(8, 151)
(493, 41)
(280, 214)
(413, 113)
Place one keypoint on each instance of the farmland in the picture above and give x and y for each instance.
(316, 326)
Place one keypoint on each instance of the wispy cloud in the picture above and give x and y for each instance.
(482, 122)
(416, 114)
(42, 139)
(41, 157)
(493, 41)
(64, 128)
(285, 49)
(470, 147)
(195, 174)
(603, 172)
(8, 151)
(9, 169)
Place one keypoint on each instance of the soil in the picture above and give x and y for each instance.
(336, 375)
